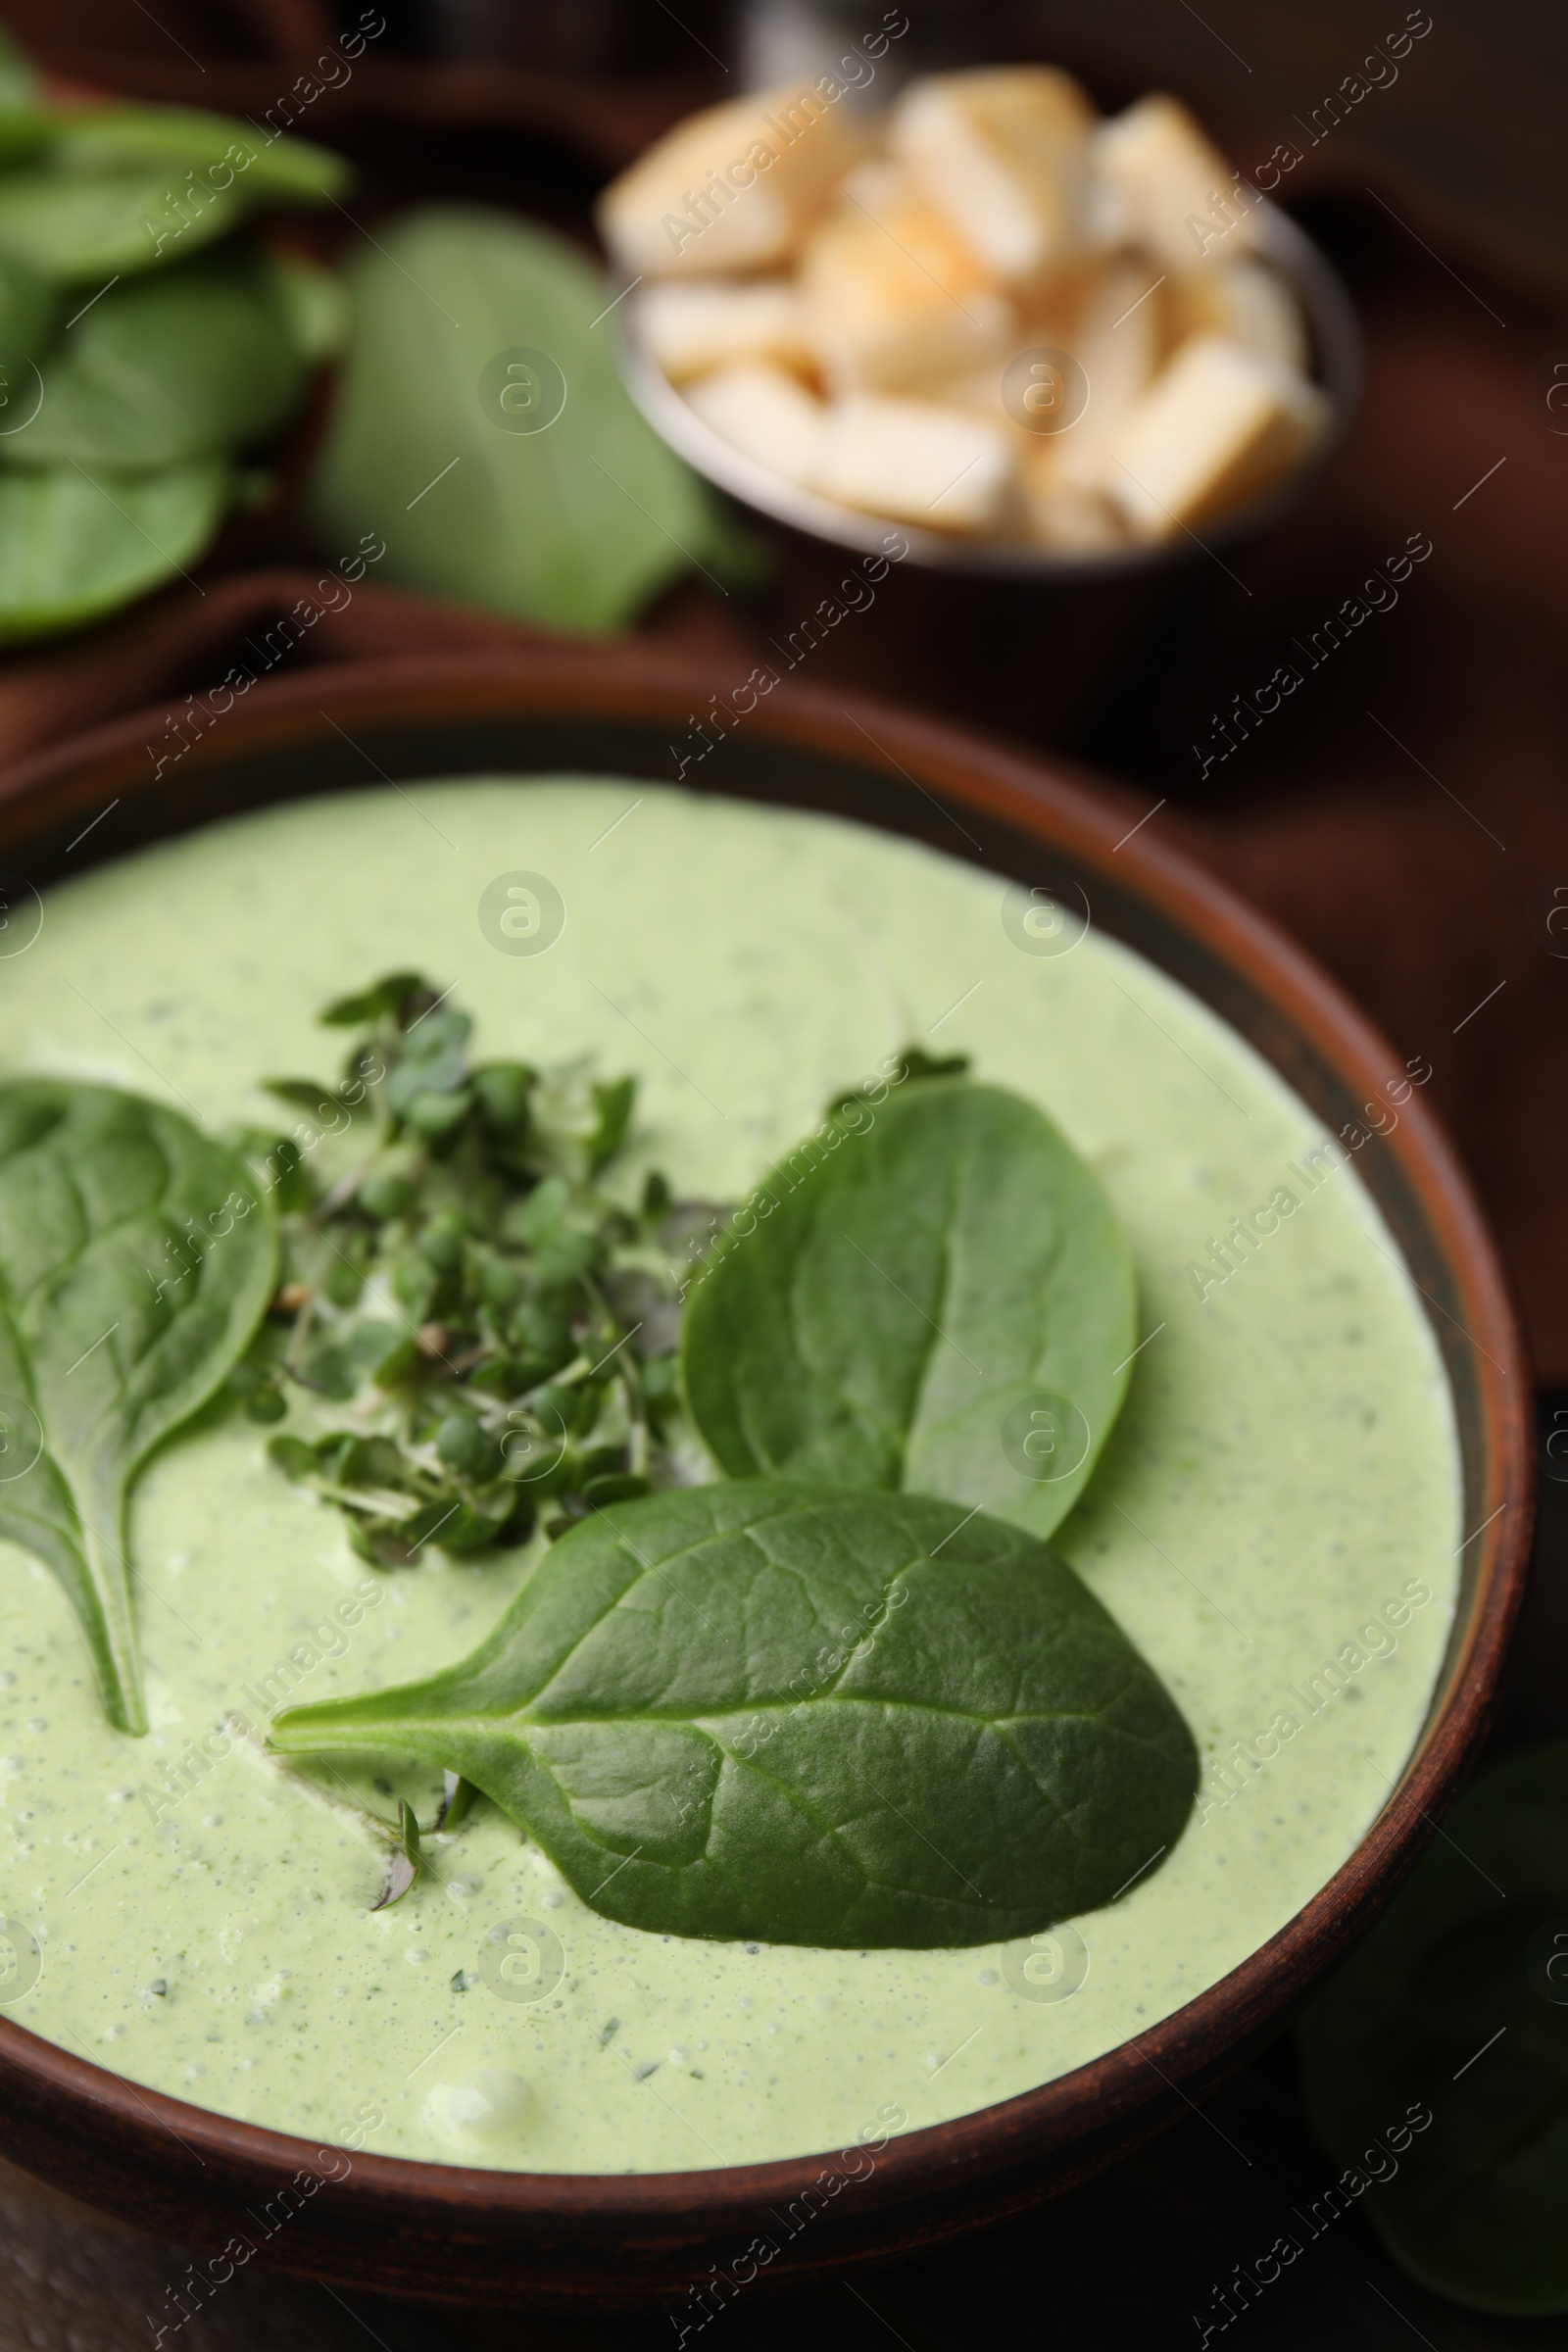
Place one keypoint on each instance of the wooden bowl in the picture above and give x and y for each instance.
(560, 2242)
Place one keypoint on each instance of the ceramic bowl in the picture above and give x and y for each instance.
(390, 2225)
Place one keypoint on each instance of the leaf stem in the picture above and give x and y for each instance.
(115, 1654)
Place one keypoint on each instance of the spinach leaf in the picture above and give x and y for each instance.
(18, 79)
(1456, 2008)
(23, 134)
(27, 308)
(934, 1295)
(387, 997)
(579, 523)
(80, 231)
(772, 1711)
(75, 545)
(120, 189)
(311, 302)
(219, 153)
(191, 360)
(129, 1283)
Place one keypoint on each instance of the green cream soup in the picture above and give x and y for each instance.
(1273, 1522)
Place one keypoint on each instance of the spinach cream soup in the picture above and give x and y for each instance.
(1272, 1523)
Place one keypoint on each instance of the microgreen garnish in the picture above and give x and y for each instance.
(487, 1328)
(457, 1795)
(403, 1863)
(398, 1840)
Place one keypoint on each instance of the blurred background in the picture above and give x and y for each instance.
(1475, 117)
(1407, 819)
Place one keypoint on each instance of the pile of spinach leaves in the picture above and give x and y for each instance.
(151, 346)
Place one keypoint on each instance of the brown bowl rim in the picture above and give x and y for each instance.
(1098, 2107)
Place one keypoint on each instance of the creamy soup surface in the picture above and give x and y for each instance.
(1280, 1498)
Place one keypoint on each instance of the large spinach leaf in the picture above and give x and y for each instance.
(132, 1278)
(542, 493)
(1457, 2003)
(73, 545)
(187, 362)
(938, 1297)
(770, 1710)
(27, 320)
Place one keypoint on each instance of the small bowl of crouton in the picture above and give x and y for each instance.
(1039, 342)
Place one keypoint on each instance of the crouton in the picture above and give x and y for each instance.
(1168, 188)
(767, 414)
(688, 329)
(1215, 430)
(894, 297)
(1248, 304)
(1003, 156)
(732, 188)
(918, 462)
